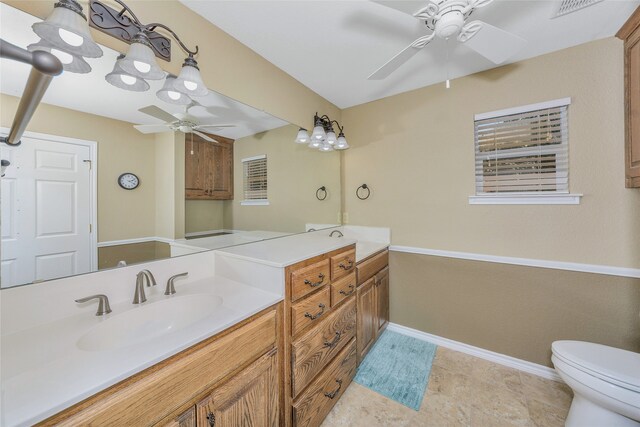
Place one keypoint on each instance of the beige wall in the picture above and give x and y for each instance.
(122, 214)
(294, 173)
(204, 215)
(227, 65)
(415, 150)
(510, 309)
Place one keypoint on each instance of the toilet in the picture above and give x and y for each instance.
(605, 382)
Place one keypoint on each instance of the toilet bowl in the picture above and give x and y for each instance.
(605, 383)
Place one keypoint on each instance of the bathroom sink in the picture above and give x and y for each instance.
(148, 321)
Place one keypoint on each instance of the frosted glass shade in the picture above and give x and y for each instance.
(170, 95)
(326, 148)
(120, 78)
(140, 60)
(315, 144)
(331, 137)
(302, 137)
(189, 80)
(341, 143)
(318, 134)
(67, 29)
(71, 63)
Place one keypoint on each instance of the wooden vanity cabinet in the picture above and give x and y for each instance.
(372, 301)
(234, 375)
(208, 172)
(630, 33)
(320, 329)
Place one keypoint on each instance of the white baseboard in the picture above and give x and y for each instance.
(502, 359)
(132, 241)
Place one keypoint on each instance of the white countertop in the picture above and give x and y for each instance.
(44, 371)
(287, 250)
(365, 249)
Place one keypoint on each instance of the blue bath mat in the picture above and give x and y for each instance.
(398, 367)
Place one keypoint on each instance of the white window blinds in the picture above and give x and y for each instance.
(523, 151)
(255, 178)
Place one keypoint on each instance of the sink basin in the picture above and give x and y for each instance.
(148, 321)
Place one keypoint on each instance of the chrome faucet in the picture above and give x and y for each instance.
(336, 231)
(145, 275)
(103, 303)
(170, 289)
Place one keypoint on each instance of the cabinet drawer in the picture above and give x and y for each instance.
(366, 269)
(310, 311)
(343, 264)
(149, 397)
(317, 347)
(315, 403)
(187, 419)
(343, 288)
(310, 278)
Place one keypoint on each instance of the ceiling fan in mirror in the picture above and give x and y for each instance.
(180, 122)
(450, 19)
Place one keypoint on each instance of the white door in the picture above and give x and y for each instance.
(46, 199)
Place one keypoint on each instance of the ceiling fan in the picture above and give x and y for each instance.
(447, 19)
(182, 122)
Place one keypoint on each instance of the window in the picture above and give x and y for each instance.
(255, 180)
(522, 155)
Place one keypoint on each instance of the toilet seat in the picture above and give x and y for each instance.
(613, 365)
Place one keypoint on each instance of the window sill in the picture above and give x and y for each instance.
(254, 203)
(526, 199)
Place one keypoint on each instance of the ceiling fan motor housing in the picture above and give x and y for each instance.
(450, 24)
(450, 18)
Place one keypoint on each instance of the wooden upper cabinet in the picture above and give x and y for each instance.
(209, 170)
(630, 33)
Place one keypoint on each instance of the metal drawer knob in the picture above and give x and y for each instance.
(346, 267)
(335, 340)
(318, 314)
(312, 284)
(346, 294)
(334, 392)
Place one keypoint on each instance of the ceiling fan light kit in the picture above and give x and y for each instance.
(323, 137)
(448, 19)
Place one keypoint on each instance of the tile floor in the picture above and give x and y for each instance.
(463, 391)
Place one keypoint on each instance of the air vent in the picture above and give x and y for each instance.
(569, 6)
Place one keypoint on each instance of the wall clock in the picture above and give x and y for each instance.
(128, 181)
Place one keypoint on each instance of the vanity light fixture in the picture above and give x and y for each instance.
(323, 136)
(145, 45)
(65, 34)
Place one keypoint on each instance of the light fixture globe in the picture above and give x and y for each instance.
(315, 144)
(170, 95)
(325, 148)
(331, 137)
(66, 28)
(71, 63)
(120, 78)
(341, 144)
(189, 80)
(318, 135)
(302, 137)
(140, 60)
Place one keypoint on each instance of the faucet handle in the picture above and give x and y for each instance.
(103, 303)
(170, 289)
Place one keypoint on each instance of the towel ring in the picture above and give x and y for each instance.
(321, 193)
(363, 187)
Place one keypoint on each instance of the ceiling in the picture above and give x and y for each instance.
(90, 92)
(333, 46)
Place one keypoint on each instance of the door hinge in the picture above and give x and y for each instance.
(90, 163)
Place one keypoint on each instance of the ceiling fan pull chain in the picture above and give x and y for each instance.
(448, 83)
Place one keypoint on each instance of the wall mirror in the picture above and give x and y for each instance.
(87, 191)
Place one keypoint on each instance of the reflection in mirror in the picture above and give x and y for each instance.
(106, 177)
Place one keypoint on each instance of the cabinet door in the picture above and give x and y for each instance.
(209, 170)
(382, 297)
(632, 59)
(366, 327)
(249, 399)
(194, 179)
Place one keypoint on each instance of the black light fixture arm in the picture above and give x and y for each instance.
(326, 122)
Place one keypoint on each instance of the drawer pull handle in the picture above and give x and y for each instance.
(335, 340)
(313, 285)
(346, 267)
(212, 419)
(315, 316)
(334, 392)
(346, 294)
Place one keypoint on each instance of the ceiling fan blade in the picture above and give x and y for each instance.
(152, 128)
(402, 57)
(213, 126)
(158, 113)
(493, 43)
(408, 7)
(204, 136)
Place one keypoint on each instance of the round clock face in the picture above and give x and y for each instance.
(128, 181)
